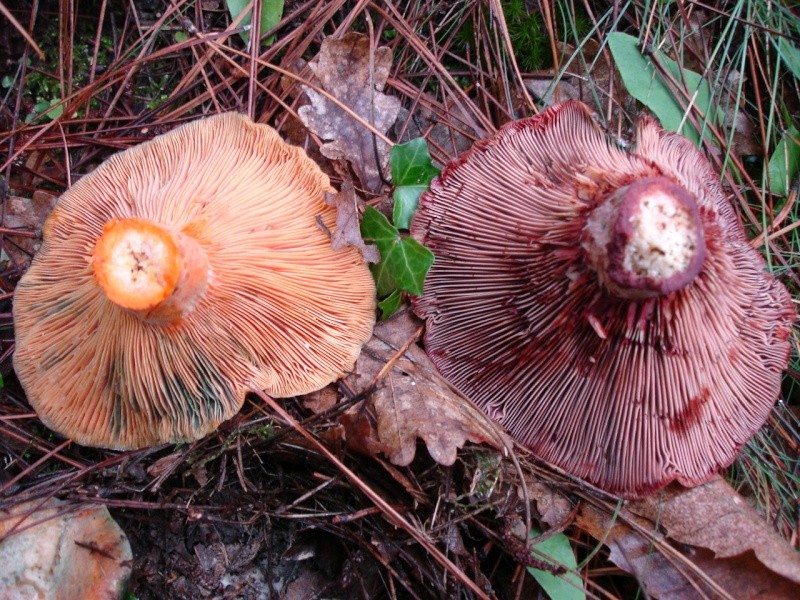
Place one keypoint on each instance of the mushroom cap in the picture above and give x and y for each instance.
(282, 311)
(627, 393)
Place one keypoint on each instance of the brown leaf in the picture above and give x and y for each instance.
(580, 80)
(711, 527)
(348, 231)
(321, 400)
(412, 401)
(714, 516)
(444, 126)
(342, 68)
(553, 507)
(27, 215)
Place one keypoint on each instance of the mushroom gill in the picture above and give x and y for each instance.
(180, 274)
(604, 306)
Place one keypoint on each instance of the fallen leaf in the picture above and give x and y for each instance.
(785, 162)
(553, 507)
(26, 215)
(547, 91)
(714, 544)
(644, 82)
(62, 552)
(557, 551)
(342, 68)
(580, 79)
(714, 516)
(412, 401)
(348, 232)
(321, 400)
(446, 126)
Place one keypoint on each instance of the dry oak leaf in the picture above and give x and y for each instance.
(734, 552)
(412, 401)
(348, 230)
(342, 68)
(553, 507)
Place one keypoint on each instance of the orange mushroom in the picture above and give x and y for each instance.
(180, 274)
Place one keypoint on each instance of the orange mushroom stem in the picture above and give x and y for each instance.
(645, 239)
(151, 271)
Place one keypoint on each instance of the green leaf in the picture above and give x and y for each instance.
(790, 56)
(412, 171)
(406, 200)
(567, 586)
(8, 81)
(389, 306)
(46, 109)
(376, 228)
(411, 163)
(644, 83)
(784, 163)
(271, 13)
(57, 111)
(180, 36)
(404, 261)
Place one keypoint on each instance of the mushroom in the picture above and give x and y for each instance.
(53, 551)
(604, 306)
(180, 274)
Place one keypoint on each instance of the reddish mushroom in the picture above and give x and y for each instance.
(604, 306)
(179, 275)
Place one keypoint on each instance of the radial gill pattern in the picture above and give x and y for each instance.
(629, 394)
(282, 311)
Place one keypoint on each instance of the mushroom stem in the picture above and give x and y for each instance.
(153, 272)
(645, 239)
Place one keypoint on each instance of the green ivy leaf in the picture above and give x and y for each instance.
(404, 261)
(645, 84)
(389, 306)
(784, 164)
(377, 229)
(271, 13)
(412, 171)
(567, 586)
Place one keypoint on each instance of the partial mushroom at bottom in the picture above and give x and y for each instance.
(604, 306)
(179, 275)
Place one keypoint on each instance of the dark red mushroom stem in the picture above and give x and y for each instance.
(645, 239)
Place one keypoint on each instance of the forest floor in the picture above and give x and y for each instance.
(302, 499)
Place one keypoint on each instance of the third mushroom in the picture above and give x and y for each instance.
(605, 306)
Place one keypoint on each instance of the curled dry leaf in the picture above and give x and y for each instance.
(580, 80)
(60, 553)
(412, 401)
(27, 215)
(342, 68)
(711, 527)
(554, 508)
(348, 232)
